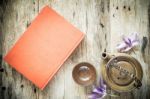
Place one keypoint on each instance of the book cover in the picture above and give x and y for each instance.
(44, 47)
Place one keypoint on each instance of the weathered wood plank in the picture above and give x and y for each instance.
(128, 17)
(16, 17)
(103, 21)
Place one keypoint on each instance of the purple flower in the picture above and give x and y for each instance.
(128, 43)
(98, 92)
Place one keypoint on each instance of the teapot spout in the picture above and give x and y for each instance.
(106, 56)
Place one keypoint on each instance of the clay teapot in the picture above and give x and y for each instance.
(121, 72)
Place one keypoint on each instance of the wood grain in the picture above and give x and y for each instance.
(103, 22)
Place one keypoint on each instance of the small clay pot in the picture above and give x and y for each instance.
(84, 74)
(121, 72)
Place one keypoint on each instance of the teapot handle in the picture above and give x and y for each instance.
(137, 83)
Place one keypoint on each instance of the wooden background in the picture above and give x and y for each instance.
(103, 21)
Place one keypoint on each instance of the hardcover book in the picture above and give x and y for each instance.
(44, 47)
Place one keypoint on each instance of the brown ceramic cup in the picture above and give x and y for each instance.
(84, 74)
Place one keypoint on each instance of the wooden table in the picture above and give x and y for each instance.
(103, 22)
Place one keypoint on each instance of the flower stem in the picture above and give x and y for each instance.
(112, 95)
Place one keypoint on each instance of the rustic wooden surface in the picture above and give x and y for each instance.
(103, 21)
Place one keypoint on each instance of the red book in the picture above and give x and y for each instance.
(44, 47)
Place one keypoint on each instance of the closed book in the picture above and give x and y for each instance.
(44, 47)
